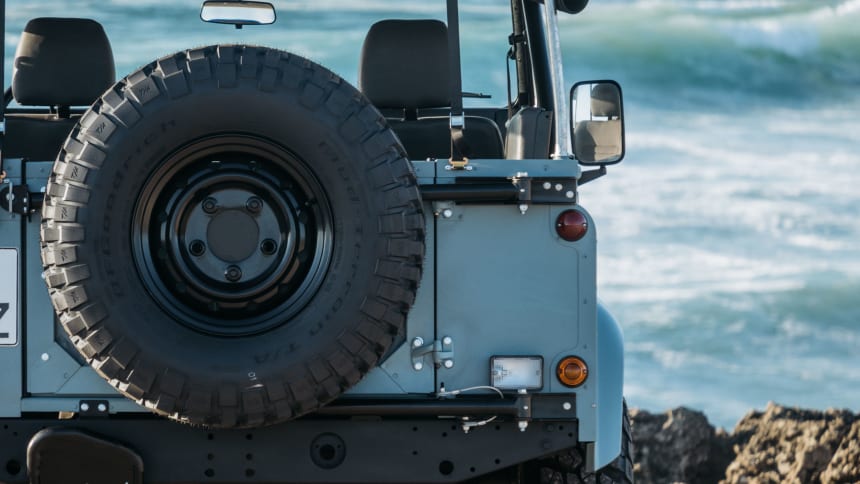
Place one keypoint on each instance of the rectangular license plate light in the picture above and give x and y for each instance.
(516, 372)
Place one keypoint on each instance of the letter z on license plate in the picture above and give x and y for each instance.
(8, 297)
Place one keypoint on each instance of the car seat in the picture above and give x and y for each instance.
(404, 67)
(60, 63)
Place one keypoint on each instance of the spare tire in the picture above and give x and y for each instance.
(232, 236)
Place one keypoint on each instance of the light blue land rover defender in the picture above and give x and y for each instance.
(234, 266)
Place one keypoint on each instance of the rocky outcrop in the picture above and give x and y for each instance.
(845, 464)
(775, 446)
(678, 446)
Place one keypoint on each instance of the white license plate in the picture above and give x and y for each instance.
(8, 297)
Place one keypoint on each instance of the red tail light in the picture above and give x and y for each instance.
(571, 225)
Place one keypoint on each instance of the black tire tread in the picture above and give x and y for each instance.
(568, 466)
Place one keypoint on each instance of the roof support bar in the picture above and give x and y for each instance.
(562, 148)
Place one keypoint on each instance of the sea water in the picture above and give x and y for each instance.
(728, 237)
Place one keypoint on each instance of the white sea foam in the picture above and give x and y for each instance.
(774, 34)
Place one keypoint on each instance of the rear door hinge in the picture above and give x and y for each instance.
(441, 351)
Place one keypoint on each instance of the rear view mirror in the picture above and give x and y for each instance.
(597, 116)
(238, 13)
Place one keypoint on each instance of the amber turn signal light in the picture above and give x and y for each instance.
(571, 225)
(572, 371)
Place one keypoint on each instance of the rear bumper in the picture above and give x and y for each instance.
(334, 448)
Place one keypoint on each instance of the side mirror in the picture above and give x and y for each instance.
(238, 13)
(569, 6)
(597, 118)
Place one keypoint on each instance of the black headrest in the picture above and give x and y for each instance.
(62, 62)
(404, 64)
(605, 100)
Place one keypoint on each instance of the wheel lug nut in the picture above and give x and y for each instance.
(233, 274)
(268, 247)
(254, 205)
(197, 248)
(210, 205)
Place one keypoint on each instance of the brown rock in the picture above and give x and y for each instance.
(677, 446)
(790, 445)
(778, 445)
(845, 464)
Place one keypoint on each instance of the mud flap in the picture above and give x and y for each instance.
(70, 456)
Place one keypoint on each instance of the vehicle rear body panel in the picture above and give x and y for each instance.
(497, 281)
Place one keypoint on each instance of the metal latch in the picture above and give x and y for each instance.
(17, 199)
(457, 121)
(442, 352)
(524, 190)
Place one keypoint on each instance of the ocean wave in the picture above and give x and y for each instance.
(716, 56)
(746, 348)
(752, 8)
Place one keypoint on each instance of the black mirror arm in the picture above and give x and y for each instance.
(591, 175)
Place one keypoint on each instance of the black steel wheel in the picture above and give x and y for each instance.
(232, 236)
